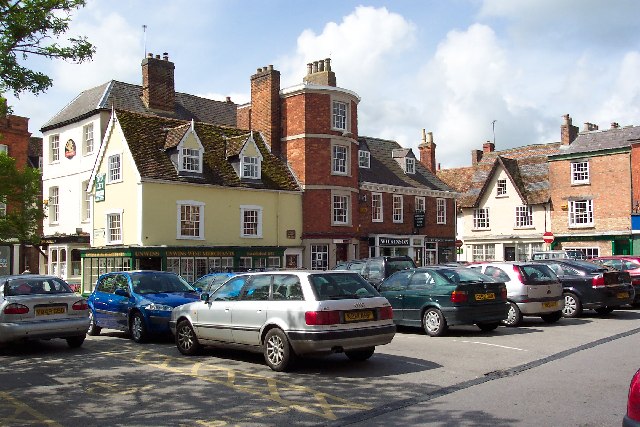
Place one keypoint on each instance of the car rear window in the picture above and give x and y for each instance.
(399, 265)
(463, 275)
(36, 286)
(538, 272)
(331, 286)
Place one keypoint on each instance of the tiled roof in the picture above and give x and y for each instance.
(125, 96)
(527, 166)
(146, 136)
(599, 140)
(175, 135)
(384, 169)
(234, 146)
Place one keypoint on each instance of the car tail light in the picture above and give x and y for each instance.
(322, 317)
(633, 402)
(598, 281)
(458, 296)
(16, 309)
(385, 313)
(516, 270)
(80, 305)
(503, 292)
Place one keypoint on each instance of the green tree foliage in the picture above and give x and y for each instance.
(32, 27)
(20, 192)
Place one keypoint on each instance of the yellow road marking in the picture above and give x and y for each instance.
(21, 409)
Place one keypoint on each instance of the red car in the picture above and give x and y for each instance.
(632, 419)
(629, 263)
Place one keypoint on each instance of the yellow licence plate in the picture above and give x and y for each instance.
(549, 304)
(48, 311)
(488, 295)
(358, 316)
(622, 295)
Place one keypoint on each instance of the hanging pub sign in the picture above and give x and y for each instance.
(70, 149)
(418, 220)
(100, 187)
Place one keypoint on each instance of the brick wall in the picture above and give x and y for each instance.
(158, 87)
(265, 105)
(635, 173)
(15, 135)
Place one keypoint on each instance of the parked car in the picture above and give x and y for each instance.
(41, 307)
(532, 289)
(353, 265)
(436, 297)
(628, 263)
(138, 302)
(210, 282)
(632, 417)
(377, 269)
(287, 314)
(563, 254)
(587, 285)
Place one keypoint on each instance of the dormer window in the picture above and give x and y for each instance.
(250, 167)
(190, 160)
(364, 159)
(410, 165)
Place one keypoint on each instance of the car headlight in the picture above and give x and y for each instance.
(159, 307)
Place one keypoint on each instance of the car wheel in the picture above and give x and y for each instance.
(572, 306)
(186, 339)
(137, 328)
(361, 354)
(75, 342)
(434, 323)
(514, 317)
(277, 351)
(552, 317)
(488, 327)
(604, 310)
(93, 328)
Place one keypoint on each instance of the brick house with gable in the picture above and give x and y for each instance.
(594, 189)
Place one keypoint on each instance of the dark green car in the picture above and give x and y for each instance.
(436, 297)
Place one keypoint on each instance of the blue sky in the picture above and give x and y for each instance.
(450, 67)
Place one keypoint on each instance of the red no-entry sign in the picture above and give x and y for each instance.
(548, 237)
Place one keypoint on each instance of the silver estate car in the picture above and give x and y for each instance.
(286, 314)
(41, 307)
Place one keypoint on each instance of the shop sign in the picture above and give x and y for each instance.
(418, 220)
(291, 234)
(388, 241)
(100, 179)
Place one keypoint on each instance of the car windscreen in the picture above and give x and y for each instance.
(331, 286)
(36, 286)
(156, 283)
(394, 265)
(462, 275)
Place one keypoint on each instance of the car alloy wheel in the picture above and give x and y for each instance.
(514, 317)
(93, 328)
(572, 305)
(186, 339)
(138, 332)
(434, 323)
(277, 351)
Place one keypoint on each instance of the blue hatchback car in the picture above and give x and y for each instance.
(138, 302)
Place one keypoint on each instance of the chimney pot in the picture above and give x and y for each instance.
(429, 137)
(157, 56)
(614, 125)
(327, 63)
(270, 67)
(228, 99)
(149, 55)
(315, 66)
(309, 68)
(165, 56)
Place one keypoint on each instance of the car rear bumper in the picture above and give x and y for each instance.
(46, 329)
(469, 315)
(340, 340)
(548, 305)
(607, 297)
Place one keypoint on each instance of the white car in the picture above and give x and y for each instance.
(533, 289)
(286, 314)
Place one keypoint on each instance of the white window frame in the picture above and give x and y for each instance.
(421, 204)
(274, 262)
(339, 159)
(85, 212)
(319, 257)
(483, 252)
(580, 172)
(398, 208)
(340, 209)
(364, 159)
(245, 262)
(250, 167)
(54, 148)
(109, 215)
(190, 160)
(481, 219)
(580, 213)
(54, 205)
(589, 252)
(4, 149)
(195, 206)
(410, 165)
(87, 139)
(377, 211)
(501, 187)
(247, 209)
(523, 217)
(111, 170)
(441, 211)
(340, 115)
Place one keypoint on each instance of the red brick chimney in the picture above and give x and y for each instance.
(568, 132)
(488, 147)
(476, 156)
(427, 149)
(265, 105)
(319, 73)
(158, 87)
(615, 125)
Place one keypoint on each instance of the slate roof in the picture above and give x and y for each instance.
(527, 167)
(146, 136)
(599, 140)
(384, 169)
(125, 96)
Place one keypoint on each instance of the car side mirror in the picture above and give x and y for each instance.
(121, 292)
(204, 297)
(198, 290)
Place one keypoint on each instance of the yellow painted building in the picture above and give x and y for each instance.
(190, 198)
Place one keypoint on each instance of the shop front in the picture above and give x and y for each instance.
(398, 245)
(190, 262)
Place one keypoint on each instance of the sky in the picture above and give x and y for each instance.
(469, 71)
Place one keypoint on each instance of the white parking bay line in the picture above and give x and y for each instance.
(492, 345)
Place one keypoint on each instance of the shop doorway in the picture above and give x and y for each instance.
(509, 253)
(341, 252)
(150, 263)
